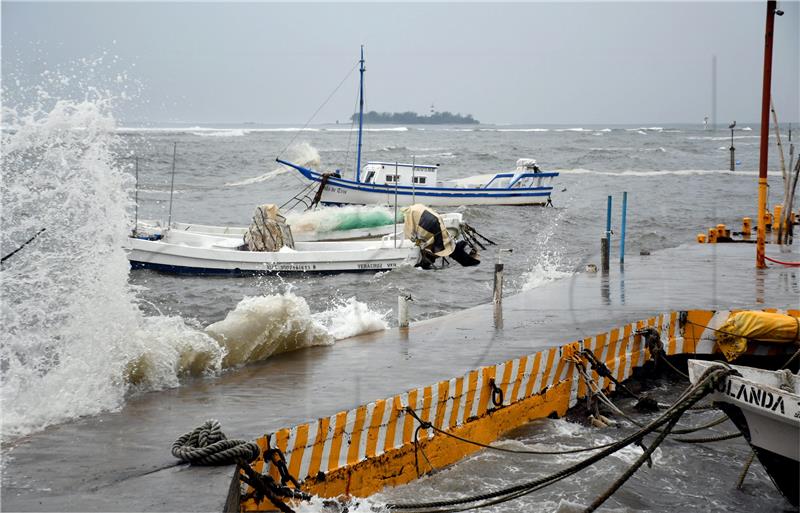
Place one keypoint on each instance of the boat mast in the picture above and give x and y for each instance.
(360, 115)
(762, 161)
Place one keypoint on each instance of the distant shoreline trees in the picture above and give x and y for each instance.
(412, 118)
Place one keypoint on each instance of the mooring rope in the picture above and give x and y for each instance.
(604, 398)
(427, 425)
(787, 264)
(208, 445)
(22, 246)
(670, 417)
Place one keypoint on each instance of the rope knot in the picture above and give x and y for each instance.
(208, 445)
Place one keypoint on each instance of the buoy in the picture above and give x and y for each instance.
(712, 235)
(701, 238)
(768, 220)
(595, 422)
(606, 420)
(747, 226)
(720, 230)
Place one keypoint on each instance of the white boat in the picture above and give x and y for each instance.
(154, 228)
(199, 253)
(268, 245)
(765, 406)
(149, 229)
(406, 184)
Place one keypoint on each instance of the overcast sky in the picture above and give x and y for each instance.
(524, 63)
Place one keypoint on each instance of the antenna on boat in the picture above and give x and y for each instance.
(413, 179)
(396, 179)
(172, 185)
(136, 197)
(360, 114)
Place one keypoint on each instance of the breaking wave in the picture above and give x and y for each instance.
(260, 327)
(75, 341)
(303, 154)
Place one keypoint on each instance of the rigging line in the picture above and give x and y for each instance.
(350, 137)
(318, 109)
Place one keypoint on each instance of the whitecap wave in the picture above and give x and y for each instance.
(665, 172)
(303, 154)
(233, 132)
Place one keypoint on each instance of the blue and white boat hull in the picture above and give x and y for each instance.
(340, 191)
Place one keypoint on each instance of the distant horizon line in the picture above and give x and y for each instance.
(298, 125)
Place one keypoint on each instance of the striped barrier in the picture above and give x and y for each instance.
(360, 451)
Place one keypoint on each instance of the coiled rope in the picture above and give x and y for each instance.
(208, 445)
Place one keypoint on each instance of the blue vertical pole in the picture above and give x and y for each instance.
(360, 115)
(608, 219)
(622, 235)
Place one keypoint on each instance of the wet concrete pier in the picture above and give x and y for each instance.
(121, 461)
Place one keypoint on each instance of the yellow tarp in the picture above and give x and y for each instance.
(740, 327)
(426, 229)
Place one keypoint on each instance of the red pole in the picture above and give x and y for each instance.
(762, 160)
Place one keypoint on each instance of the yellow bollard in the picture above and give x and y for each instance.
(701, 238)
(712, 235)
(768, 220)
(720, 230)
(747, 227)
(777, 218)
(792, 218)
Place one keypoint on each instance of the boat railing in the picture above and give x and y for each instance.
(538, 177)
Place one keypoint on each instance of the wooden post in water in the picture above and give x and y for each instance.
(497, 290)
(762, 160)
(402, 311)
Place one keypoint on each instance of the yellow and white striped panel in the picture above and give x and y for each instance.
(370, 430)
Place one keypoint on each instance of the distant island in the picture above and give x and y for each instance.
(412, 118)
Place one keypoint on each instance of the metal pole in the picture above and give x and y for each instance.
(413, 178)
(136, 198)
(395, 203)
(605, 242)
(762, 160)
(360, 114)
(622, 235)
(172, 185)
(713, 92)
(732, 149)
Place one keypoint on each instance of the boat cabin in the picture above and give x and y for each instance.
(395, 173)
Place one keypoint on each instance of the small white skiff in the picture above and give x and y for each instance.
(765, 406)
(237, 232)
(199, 253)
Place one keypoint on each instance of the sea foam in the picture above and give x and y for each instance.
(75, 341)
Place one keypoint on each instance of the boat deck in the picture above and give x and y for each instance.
(121, 461)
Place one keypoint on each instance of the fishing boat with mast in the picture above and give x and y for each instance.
(409, 183)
